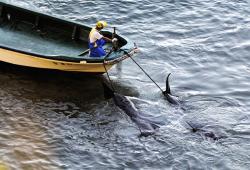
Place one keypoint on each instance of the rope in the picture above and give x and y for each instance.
(142, 69)
(106, 71)
(110, 82)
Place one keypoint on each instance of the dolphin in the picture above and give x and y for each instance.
(147, 127)
(203, 132)
(167, 93)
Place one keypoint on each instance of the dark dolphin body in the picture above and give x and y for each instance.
(203, 132)
(147, 127)
(170, 98)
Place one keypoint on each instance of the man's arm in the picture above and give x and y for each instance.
(107, 39)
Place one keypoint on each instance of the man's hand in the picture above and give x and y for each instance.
(114, 40)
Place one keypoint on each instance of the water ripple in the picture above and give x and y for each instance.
(60, 121)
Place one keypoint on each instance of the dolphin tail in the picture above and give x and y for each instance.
(149, 131)
(146, 133)
(155, 126)
(108, 92)
(194, 129)
(168, 90)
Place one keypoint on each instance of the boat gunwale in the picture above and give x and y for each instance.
(130, 52)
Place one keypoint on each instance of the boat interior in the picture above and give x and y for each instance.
(35, 33)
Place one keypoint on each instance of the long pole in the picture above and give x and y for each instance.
(143, 70)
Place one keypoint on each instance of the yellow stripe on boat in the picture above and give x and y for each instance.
(37, 62)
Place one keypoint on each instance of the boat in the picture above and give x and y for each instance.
(33, 39)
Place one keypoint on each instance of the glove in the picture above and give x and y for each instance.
(114, 40)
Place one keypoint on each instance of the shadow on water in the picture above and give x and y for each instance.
(49, 84)
(40, 104)
(80, 88)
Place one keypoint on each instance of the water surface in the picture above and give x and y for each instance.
(61, 121)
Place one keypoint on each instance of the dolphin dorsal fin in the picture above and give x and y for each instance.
(168, 90)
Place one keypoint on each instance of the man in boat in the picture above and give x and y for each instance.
(97, 40)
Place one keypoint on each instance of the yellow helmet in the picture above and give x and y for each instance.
(101, 24)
